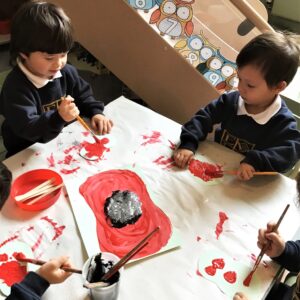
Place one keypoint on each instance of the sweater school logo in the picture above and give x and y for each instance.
(51, 106)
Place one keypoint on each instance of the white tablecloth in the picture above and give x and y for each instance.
(191, 204)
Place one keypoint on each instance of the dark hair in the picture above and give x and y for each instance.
(5, 183)
(40, 26)
(276, 54)
(298, 185)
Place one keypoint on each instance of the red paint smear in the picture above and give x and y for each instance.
(67, 160)
(37, 243)
(58, 230)
(248, 279)
(198, 273)
(198, 238)
(51, 161)
(172, 145)
(9, 240)
(12, 272)
(18, 255)
(152, 139)
(230, 276)
(204, 170)
(210, 270)
(219, 228)
(96, 189)
(65, 171)
(74, 147)
(86, 133)
(168, 162)
(253, 257)
(96, 149)
(3, 257)
(218, 263)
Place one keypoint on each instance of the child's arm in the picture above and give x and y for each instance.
(182, 157)
(239, 296)
(34, 285)
(101, 124)
(287, 254)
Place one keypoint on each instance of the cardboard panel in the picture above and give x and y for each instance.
(123, 41)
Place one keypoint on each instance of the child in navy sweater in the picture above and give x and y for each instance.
(254, 120)
(31, 97)
(34, 285)
(287, 254)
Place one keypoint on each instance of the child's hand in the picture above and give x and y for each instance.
(239, 296)
(68, 110)
(51, 270)
(101, 124)
(245, 171)
(182, 157)
(277, 244)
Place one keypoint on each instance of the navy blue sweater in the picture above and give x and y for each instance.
(274, 146)
(31, 114)
(290, 260)
(32, 287)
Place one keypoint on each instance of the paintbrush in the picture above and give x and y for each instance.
(21, 258)
(264, 249)
(234, 172)
(122, 261)
(86, 126)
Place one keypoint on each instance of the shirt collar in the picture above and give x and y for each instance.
(263, 117)
(37, 81)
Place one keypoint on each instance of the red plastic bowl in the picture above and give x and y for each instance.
(31, 179)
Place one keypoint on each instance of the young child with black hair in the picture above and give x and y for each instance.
(43, 93)
(254, 120)
(287, 254)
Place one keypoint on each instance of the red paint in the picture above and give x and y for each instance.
(96, 149)
(210, 270)
(3, 257)
(168, 162)
(172, 145)
(230, 276)
(18, 255)
(86, 133)
(51, 161)
(9, 240)
(219, 228)
(74, 147)
(198, 273)
(38, 242)
(204, 170)
(218, 263)
(253, 257)
(67, 160)
(198, 238)
(152, 139)
(66, 172)
(58, 230)
(12, 272)
(248, 279)
(96, 189)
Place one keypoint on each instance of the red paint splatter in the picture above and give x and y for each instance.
(168, 162)
(152, 139)
(253, 256)
(9, 240)
(96, 149)
(74, 147)
(172, 145)
(30, 228)
(12, 272)
(67, 160)
(65, 171)
(18, 255)
(210, 270)
(96, 189)
(51, 161)
(198, 238)
(230, 276)
(204, 170)
(219, 228)
(86, 133)
(3, 257)
(218, 263)
(58, 230)
(37, 243)
(198, 273)
(248, 279)
(37, 153)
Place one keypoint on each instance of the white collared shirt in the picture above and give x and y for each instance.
(37, 81)
(263, 117)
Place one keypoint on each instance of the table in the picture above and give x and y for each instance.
(191, 204)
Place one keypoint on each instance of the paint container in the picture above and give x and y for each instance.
(110, 292)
